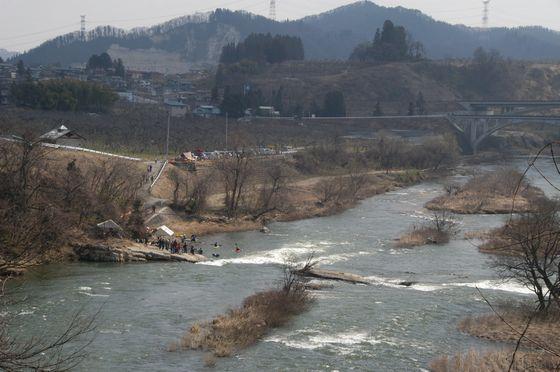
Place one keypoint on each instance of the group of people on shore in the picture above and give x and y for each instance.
(176, 246)
(187, 246)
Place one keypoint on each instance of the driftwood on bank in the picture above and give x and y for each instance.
(333, 275)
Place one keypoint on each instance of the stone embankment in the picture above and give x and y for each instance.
(107, 253)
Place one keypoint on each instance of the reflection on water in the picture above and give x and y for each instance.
(383, 326)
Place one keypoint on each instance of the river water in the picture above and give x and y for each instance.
(381, 327)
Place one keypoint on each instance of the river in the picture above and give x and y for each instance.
(382, 327)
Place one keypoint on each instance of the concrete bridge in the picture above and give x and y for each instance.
(481, 119)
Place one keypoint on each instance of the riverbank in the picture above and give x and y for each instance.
(499, 192)
(301, 201)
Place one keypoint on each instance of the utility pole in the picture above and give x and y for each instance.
(272, 11)
(83, 27)
(486, 11)
(227, 120)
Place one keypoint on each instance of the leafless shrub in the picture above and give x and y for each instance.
(439, 230)
(242, 327)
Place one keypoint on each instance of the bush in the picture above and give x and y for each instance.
(241, 327)
(437, 232)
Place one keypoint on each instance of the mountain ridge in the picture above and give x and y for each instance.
(197, 39)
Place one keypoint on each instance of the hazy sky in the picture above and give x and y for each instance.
(26, 23)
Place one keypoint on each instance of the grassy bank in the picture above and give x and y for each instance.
(499, 192)
(243, 326)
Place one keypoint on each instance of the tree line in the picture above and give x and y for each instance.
(264, 48)
(63, 95)
(105, 63)
(390, 44)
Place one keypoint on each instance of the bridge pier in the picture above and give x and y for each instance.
(472, 132)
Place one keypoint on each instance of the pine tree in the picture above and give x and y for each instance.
(420, 104)
(334, 105)
(411, 109)
(378, 111)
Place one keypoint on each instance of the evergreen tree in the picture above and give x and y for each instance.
(20, 68)
(119, 68)
(411, 109)
(278, 102)
(378, 111)
(232, 104)
(264, 48)
(334, 105)
(214, 95)
(391, 44)
(420, 104)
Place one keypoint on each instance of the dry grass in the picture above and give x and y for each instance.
(423, 235)
(242, 327)
(499, 192)
(495, 361)
(543, 329)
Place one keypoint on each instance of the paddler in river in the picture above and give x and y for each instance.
(237, 249)
(216, 245)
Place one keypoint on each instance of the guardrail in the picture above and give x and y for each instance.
(159, 174)
(73, 148)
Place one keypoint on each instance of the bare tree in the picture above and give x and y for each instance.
(534, 257)
(30, 227)
(271, 193)
(236, 173)
(62, 353)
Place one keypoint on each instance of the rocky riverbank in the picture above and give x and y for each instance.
(103, 252)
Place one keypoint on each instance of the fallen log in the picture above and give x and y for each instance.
(333, 275)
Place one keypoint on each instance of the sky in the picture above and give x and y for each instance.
(26, 23)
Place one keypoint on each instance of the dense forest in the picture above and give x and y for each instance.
(392, 44)
(105, 63)
(331, 35)
(264, 48)
(63, 95)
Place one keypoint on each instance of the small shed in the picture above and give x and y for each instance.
(109, 227)
(63, 136)
(164, 232)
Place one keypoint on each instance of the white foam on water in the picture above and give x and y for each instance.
(26, 312)
(344, 342)
(497, 285)
(275, 256)
(93, 294)
(84, 289)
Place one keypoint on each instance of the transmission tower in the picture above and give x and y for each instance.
(83, 27)
(485, 13)
(272, 12)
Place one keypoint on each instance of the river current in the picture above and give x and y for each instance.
(381, 327)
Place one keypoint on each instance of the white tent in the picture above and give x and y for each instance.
(164, 232)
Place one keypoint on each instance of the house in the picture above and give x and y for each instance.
(109, 228)
(207, 111)
(267, 111)
(63, 136)
(164, 232)
(176, 108)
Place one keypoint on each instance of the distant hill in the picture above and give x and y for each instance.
(5, 54)
(197, 40)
